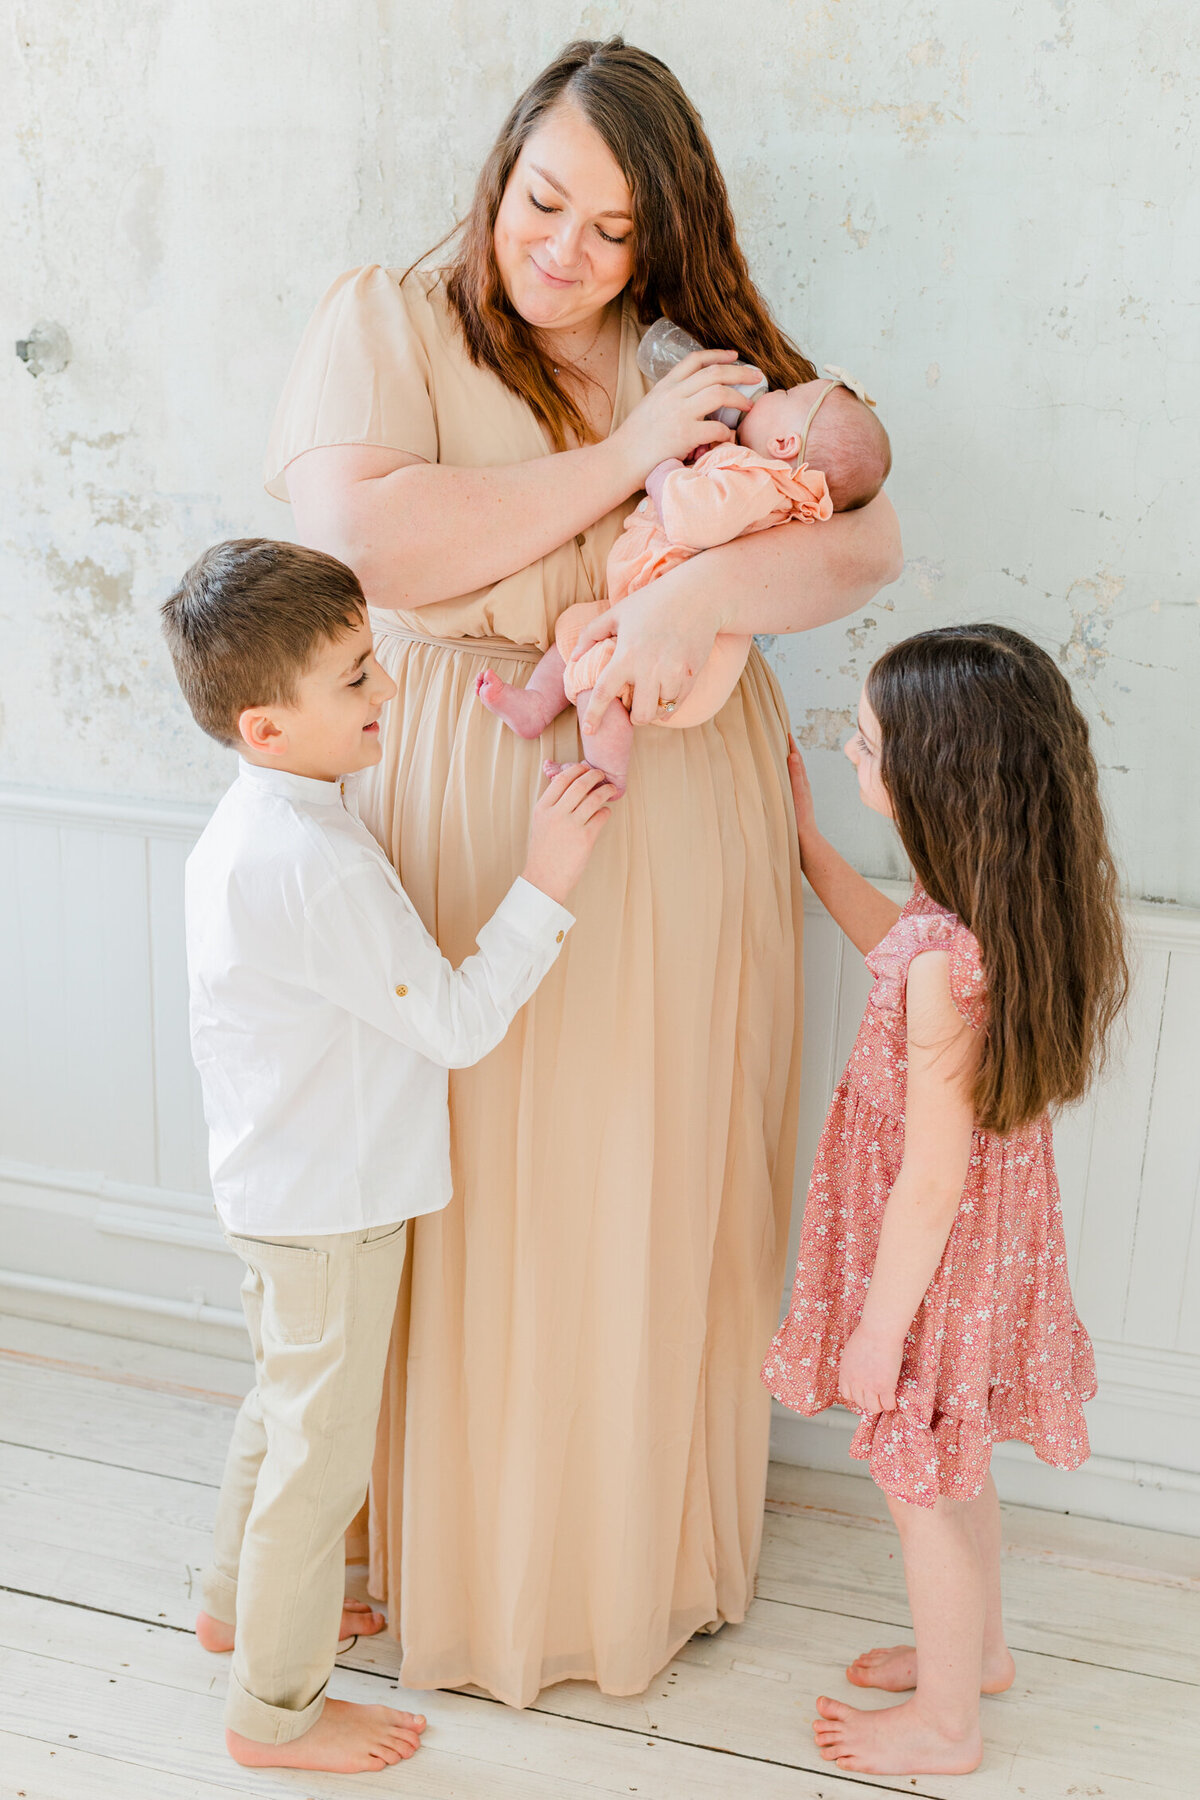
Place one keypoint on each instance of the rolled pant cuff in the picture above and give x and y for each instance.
(218, 1596)
(253, 1718)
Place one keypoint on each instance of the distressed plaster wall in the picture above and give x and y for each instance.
(990, 213)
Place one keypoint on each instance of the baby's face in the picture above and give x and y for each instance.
(774, 423)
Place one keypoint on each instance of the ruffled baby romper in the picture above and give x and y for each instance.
(996, 1350)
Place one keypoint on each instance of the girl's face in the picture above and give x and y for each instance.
(564, 231)
(863, 751)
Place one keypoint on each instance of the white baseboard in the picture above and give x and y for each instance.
(112, 1256)
(211, 1330)
(1123, 1492)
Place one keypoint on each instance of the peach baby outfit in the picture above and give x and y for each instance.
(727, 493)
(996, 1351)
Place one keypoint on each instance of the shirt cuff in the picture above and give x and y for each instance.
(535, 915)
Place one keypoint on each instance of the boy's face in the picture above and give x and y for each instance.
(332, 728)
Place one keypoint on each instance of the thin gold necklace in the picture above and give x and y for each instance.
(558, 368)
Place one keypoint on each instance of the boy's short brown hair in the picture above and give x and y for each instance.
(245, 622)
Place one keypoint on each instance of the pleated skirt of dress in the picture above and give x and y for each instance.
(572, 1456)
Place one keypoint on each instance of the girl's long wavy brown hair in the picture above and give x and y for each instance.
(688, 263)
(987, 764)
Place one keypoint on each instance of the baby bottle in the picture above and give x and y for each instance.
(666, 344)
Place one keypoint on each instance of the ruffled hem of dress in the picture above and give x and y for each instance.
(918, 1455)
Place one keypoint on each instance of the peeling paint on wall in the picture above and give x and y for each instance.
(929, 197)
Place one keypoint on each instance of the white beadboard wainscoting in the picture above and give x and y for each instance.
(104, 1205)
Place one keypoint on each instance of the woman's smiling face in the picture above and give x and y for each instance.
(564, 230)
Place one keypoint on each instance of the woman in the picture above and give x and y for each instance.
(573, 1448)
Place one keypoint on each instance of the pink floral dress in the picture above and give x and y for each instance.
(996, 1350)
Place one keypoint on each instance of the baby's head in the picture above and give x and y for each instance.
(845, 439)
(274, 653)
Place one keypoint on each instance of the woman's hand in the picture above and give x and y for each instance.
(567, 820)
(869, 1370)
(672, 419)
(664, 638)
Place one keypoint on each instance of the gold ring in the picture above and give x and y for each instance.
(667, 706)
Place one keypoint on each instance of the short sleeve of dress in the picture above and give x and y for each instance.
(968, 989)
(360, 376)
(914, 933)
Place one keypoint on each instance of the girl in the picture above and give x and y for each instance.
(931, 1289)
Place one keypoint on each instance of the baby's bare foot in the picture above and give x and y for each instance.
(346, 1740)
(551, 769)
(528, 712)
(895, 1670)
(358, 1620)
(899, 1740)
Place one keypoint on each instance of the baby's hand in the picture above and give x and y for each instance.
(567, 820)
(802, 800)
(869, 1371)
(655, 479)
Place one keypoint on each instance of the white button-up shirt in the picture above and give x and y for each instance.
(324, 1017)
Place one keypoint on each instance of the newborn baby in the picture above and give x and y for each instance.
(802, 453)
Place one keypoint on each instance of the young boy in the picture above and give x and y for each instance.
(324, 1019)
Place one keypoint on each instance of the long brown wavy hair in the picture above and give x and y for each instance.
(986, 761)
(687, 262)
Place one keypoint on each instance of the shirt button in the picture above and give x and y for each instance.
(402, 990)
(560, 936)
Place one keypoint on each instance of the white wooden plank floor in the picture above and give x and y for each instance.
(110, 1454)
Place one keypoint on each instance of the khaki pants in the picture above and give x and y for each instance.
(319, 1311)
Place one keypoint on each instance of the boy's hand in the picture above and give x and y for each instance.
(567, 820)
(869, 1370)
(802, 800)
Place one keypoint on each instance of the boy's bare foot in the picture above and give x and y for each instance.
(527, 711)
(358, 1620)
(896, 1741)
(895, 1670)
(346, 1740)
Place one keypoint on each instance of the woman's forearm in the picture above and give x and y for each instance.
(797, 576)
(420, 532)
(863, 913)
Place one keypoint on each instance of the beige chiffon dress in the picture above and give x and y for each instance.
(572, 1454)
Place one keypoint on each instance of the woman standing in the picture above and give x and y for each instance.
(573, 1449)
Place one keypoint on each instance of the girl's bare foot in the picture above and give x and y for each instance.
(897, 1741)
(895, 1670)
(358, 1620)
(346, 1740)
(525, 709)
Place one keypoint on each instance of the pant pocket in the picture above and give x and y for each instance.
(380, 1235)
(295, 1284)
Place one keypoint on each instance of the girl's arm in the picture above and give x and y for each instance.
(921, 1209)
(781, 580)
(416, 532)
(862, 912)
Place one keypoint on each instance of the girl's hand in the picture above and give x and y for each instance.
(664, 637)
(802, 800)
(567, 820)
(672, 418)
(869, 1371)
